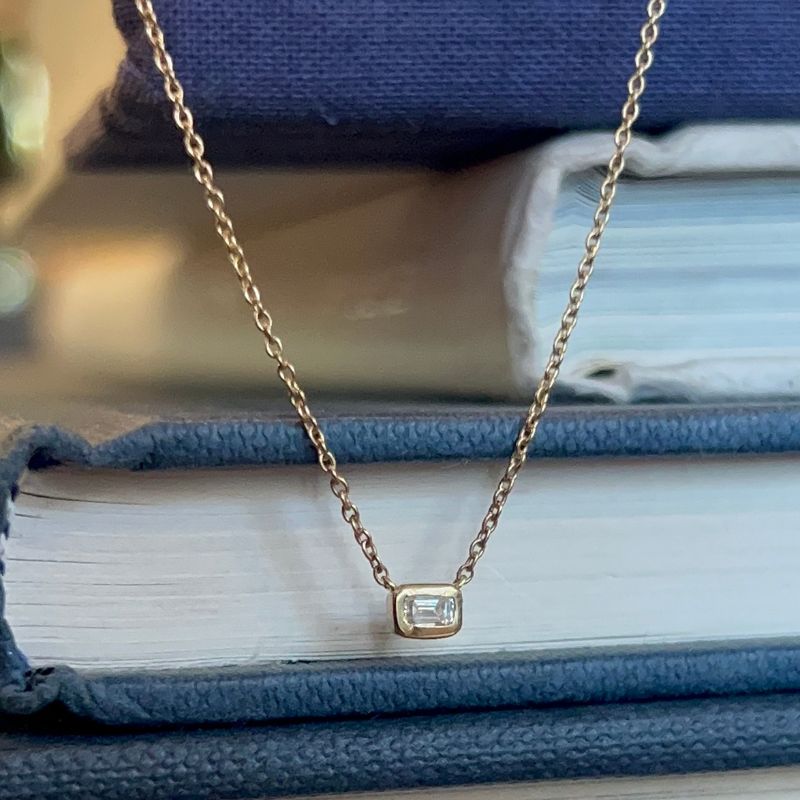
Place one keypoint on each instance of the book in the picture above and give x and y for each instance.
(383, 720)
(316, 757)
(446, 84)
(107, 569)
(698, 259)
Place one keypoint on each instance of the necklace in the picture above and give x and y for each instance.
(418, 611)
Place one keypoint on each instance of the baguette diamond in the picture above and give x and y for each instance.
(426, 611)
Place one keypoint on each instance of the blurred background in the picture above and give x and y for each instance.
(95, 297)
(54, 60)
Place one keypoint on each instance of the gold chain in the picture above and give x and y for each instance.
(273, 346)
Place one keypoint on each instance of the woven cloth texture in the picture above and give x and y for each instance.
(433, 83)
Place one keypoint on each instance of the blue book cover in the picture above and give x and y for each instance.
(312, 727)
(439, 84)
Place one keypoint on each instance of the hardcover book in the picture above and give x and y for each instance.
(99, 703)
(700, 263)
(443, 84)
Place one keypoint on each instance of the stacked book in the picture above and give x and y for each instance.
(184, 613)
(692, 300)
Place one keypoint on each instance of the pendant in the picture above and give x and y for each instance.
(426, 610)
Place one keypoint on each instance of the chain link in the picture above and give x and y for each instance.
(204, 175)
(622, 138)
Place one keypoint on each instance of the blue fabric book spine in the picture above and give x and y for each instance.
(302, 728)
(440, 83)
(416, 751)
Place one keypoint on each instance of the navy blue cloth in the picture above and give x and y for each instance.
(234, 438)
(365, 688)
(400, 752)
(436, 83)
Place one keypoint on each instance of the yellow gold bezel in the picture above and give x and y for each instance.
(405, 627)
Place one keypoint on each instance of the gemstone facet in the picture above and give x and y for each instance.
(426, 611)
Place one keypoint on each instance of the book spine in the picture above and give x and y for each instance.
(407, 752)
